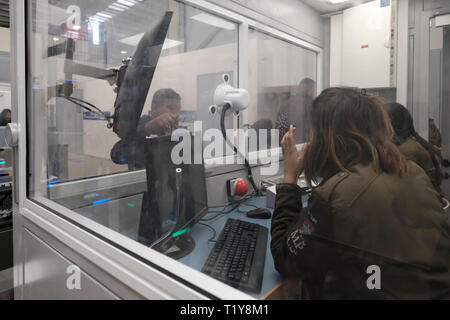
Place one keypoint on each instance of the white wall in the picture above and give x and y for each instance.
(402, 52)
(336, 38)
(5, 39)
(5, 97)
(363, 46)
(5, 91)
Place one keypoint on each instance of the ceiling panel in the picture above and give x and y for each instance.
(325, 6)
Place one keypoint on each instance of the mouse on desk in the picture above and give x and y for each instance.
(259, 213)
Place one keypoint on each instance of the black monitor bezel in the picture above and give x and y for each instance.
(168, 139)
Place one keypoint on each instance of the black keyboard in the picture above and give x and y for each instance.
(238, 257)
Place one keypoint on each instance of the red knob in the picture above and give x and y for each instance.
(241, 188)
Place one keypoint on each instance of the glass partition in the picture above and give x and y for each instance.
(282, 78)
(83, 78)
(81, 46)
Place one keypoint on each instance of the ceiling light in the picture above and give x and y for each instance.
(95, 32)
(214, 21)
(103, 15)
(55, 39)
(129, 3)
(116, 7)
(337, 1)
(123, 52)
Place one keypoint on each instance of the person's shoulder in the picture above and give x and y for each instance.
(414, 151)
(422, 154)
(344, 188)
(410, 145)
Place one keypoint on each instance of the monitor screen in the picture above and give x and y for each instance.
(159, 214)
(138, 77)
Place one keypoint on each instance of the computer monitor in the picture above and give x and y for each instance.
(159, 227)
(138, 77)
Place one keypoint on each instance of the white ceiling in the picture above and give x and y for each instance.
(325, 6)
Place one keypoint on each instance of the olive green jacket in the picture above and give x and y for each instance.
(355, 221)
(414, 151)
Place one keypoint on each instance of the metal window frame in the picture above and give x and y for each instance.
(148, 272)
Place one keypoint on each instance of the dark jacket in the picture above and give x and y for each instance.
(363, 219)
(132, 152)
(414, 151)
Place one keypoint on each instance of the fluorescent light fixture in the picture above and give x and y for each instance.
(134, 40)
(55, 39)
(214, 21)
(96, 19)
(103, 15)
(95, 32)
(128, 3)
(123, 52)
(442, 20)
(116, 7)
(337, 1)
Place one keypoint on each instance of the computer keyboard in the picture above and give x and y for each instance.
(238, 257)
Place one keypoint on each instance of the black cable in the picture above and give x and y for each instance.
(220, 213)
(249, 205)
(92, 106)
(214, 231)
(235, 205)
(79, 102)
(227, 107)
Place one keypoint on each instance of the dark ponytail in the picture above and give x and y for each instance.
(403, 125)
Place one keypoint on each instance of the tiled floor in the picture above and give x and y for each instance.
(6, 284)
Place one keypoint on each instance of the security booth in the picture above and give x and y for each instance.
(130, 169)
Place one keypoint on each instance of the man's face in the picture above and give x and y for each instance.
(8, 117)
(172, 106)
(308, 92)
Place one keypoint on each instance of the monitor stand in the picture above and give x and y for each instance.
(177, 248)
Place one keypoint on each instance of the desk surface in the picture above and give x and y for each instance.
(118, 216)
(201, 234)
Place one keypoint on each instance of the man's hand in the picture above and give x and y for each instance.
(294, 164)
(165, 122)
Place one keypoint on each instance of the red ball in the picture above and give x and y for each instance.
(241, 188)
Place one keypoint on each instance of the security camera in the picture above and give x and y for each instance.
(213, 110)
(238, 99)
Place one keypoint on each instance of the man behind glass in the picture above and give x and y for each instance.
(164, 119)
